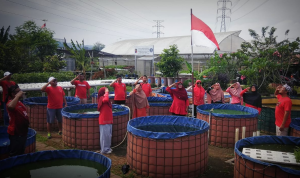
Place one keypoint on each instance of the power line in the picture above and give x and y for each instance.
(240, 6)
(61, 24)
(235, 4)
(158, 25)
(131, 10)
(64, 17)
(250, 11)
(83, 13)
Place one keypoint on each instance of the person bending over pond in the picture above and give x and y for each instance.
(180, 102)
(235, 90)
(140, 102)
(199, 93)
(105, 120)
(215, 94)
(252, 98)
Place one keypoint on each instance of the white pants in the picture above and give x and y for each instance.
(282, 133)
(105, 138)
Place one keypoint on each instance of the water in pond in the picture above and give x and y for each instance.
(277, 147)
(91, 111)
(167, 128)
(58, 168)
(229, 112)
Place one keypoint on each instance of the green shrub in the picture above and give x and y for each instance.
(186, 83)
(42, 77)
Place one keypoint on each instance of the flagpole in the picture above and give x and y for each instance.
(192, 67)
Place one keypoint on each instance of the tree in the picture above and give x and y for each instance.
(78, 53)
(269, 60)
(170, 63)
(98, 46)
(53, 63)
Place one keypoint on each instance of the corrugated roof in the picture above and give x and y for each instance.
(126, 47)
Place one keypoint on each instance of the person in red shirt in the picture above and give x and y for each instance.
(283, 110)
(252, 98)
(180, 99)
(82, 88)
(145, 85)
(105, 120)
(5, 83)
(140, 102)
(120, 90)
(56, 97)
(199, 93)
(18, 122)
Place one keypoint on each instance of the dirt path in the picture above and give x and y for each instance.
(217, 168)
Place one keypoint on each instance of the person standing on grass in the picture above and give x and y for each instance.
(252, 98)
(82, 88)
(120, 90)
(5, 83)
(215, 94)
(235, 90)
(18, 122)
(283, 110)
(145, 85)
(180, 102)
(199, 93)
(105, 120)
(56, 98)
(140, 102)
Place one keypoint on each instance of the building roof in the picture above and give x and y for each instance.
(126, 47)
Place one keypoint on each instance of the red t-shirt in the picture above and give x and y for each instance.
(5, 85)
(284, 104)
(106, 115)
(146, 88)
(55, 97)
(18, 120)
(120, 91)
(81, 89)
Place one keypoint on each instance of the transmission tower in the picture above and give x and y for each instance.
(158, 25)
(223, 16)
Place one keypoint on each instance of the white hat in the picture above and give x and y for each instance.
(7, 73)
(50, 79)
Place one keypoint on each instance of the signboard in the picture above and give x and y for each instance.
(144, 50)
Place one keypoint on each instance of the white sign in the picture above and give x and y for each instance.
(144, 50)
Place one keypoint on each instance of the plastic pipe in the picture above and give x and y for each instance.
(243, 132)
(237, 131)
(257, 133)
(254, 134)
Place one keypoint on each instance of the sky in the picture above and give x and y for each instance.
(109, 21)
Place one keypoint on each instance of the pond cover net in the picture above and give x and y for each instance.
(245, 166)
(57, 154)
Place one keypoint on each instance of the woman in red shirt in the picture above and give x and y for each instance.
(18, 122)
(105, 120)
(140, 102)
(180, 99)
(252, 98)
(199, 93)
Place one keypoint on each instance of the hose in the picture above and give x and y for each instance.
(126, 131)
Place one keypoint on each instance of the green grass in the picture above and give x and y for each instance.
(297, 154)
(40, 138)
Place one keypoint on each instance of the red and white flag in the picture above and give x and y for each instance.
(202, 35)
(43, 26)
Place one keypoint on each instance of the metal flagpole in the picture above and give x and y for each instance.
(192, 68)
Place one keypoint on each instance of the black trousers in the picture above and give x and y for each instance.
(17, 144)
(195, 111)
(120, 101)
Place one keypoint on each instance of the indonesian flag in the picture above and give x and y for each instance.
(202, 35)
(43, 26)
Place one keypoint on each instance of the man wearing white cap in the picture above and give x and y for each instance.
(5, 83)
(56, 98)
(283, 110)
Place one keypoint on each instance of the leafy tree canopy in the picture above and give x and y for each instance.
(98, 46)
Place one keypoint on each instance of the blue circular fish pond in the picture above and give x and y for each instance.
(44, 161)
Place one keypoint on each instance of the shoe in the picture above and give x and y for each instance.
(60, 133)
(49, 136)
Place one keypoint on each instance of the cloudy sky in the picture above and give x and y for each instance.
(109, 21)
